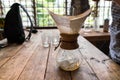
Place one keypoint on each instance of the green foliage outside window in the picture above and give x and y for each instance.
(43, 18)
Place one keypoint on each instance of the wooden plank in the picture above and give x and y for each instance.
(96, 59)
(84, 72)
(7, 53)
(95, 35)
(12, 69)
(97, 38)
(113, 67)
(36, 66)
(53, 72)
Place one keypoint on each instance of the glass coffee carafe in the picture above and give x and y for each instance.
(68, 56)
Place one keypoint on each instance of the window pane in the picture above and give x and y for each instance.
(43, 18)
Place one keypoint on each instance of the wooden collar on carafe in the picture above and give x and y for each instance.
(69, 41)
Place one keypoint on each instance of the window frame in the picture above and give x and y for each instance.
(35, 15)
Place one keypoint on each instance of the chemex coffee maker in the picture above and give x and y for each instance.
(68, 56)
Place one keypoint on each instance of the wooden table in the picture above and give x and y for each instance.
(31, 61)
(98, 38)
(93, 36)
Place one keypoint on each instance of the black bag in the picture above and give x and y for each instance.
(13, 28)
